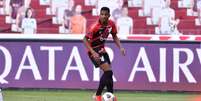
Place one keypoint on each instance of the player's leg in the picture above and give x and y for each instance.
(109, 81)
(101, 86)
(108, 76)
(106, 67)
(108, 72)
(106, 80)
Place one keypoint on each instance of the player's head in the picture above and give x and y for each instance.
(104, 14)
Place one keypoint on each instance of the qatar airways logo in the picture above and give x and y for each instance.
(178, 67)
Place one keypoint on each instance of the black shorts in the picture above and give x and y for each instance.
(104, 58)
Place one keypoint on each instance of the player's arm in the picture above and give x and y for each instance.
(87, 44)
(117, 42)
(116, 39)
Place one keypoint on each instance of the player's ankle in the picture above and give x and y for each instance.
(99, 98)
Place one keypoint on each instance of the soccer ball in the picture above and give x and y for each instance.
(107, 96)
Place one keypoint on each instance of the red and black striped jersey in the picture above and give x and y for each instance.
(98, 34)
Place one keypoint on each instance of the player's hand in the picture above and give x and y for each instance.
(95, 55)
(123, 51)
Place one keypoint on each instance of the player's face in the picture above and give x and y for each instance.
(104, 16)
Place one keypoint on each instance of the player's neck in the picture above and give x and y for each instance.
(103, 23)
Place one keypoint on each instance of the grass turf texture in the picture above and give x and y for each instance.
(86, 95)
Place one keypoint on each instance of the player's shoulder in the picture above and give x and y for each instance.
(111, 22)
(94, 26)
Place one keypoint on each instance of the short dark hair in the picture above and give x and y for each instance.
(105, 9)
(26, 12)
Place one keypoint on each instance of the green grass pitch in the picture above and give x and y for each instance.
(86, 95)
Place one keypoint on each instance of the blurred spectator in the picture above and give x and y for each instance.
(15, 5)
(1, 6)
(90, 2)
(146, 6)
(6, 7)
(56, 4)
(65, 28)
(116, 14)
(29, 24)
(16, 27)
(111, 4)
(153, 11)
(149, 5)
(78, 22)
(134, 3)
(21, 13)
(168, 23)
(125, 23)
(60, 8)
(157, 6)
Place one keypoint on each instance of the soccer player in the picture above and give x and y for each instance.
(94, 41)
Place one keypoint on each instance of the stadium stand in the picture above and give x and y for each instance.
(187, 24)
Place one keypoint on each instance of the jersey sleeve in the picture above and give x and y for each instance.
(89, 34)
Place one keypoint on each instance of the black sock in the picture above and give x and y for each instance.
(109, 82)
(106, 80)
(102, 84)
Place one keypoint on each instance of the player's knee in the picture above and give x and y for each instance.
(105, 67)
